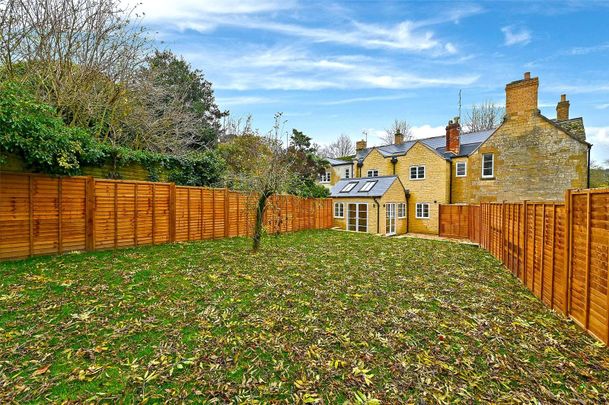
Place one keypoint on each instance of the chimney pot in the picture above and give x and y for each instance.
(521, 97)
(398, 138)
(360, 145)
(453, 132)
(562, 108)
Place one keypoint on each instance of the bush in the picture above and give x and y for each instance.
(35, 132)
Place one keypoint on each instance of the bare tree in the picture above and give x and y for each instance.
(81, 56)
(271, 175)
(401, 126)
(487, 115)
(342, 146)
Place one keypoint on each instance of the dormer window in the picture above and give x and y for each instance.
(325, 177)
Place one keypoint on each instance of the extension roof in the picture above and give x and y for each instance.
(379, 189)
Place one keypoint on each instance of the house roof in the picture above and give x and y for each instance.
(380, 188)
(338, 162)
(469, 143)
(573, 127)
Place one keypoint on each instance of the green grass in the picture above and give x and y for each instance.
(315, 316)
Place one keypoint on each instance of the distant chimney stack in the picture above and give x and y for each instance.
(453, 132)
(562, 108)
(360, 145)
(398, 138)
(521, 96)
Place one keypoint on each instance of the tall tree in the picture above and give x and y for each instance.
(401, 126)
(341, 147)
(487, 115)
(80, 56)
(186, 87)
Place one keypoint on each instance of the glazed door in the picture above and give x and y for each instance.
(390, 211)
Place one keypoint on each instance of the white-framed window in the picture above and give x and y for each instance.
(488, 165)
(402, 210)
(461, 169)
(373, 173)
(325, 177)
(348, 173)
(348, 187)
(417, 172)
(339, 210)
(422, 210)
(368, 186)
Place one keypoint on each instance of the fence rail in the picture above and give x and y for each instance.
(45, 215)
(560, 251)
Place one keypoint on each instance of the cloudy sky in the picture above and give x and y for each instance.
(349, 67)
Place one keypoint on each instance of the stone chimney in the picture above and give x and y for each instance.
(521, 96)
(398, 138)
(562, 108)
(453, 131)
(359, 145)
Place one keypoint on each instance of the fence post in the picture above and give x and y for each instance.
(226, 208)
(525, 232)
(568, 230)
(588, 232)
(90, 214)
(172, 212)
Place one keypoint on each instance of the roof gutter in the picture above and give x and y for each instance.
(378, 215)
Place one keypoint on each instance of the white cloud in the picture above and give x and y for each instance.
(514, 37)
(598, 135)
(291, 68)
(602, 106)
(427, 131)
(195, 10)
(243, 100)
(367, 99)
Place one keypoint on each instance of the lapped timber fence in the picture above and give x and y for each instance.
(560, 251)
(42, 215)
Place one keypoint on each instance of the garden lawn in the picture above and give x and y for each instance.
(316, 316)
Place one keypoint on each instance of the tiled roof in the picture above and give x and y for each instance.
(338, 162)
(380, 188)
(574, 126)
(469, 143)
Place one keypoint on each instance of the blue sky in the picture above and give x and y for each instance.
(348, 67)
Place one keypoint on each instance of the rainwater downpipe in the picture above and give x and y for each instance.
(394, 161)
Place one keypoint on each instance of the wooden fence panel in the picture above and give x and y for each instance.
(559, 251)
(46, 215)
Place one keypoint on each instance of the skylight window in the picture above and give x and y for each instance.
(368, 186)
(348, 187)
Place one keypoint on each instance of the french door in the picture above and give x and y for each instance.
(390, 218)
(357, 217)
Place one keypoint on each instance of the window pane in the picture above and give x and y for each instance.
(421, 172)
(352, 208)
(413, 172)
(362, 215)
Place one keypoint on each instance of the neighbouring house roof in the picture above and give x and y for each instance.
(338, 162)
(574, 127)
(379, 189)
(469, 143)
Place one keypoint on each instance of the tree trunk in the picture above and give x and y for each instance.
(259, 219)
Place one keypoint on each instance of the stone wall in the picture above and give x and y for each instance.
(534, 160)
(434, 189)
